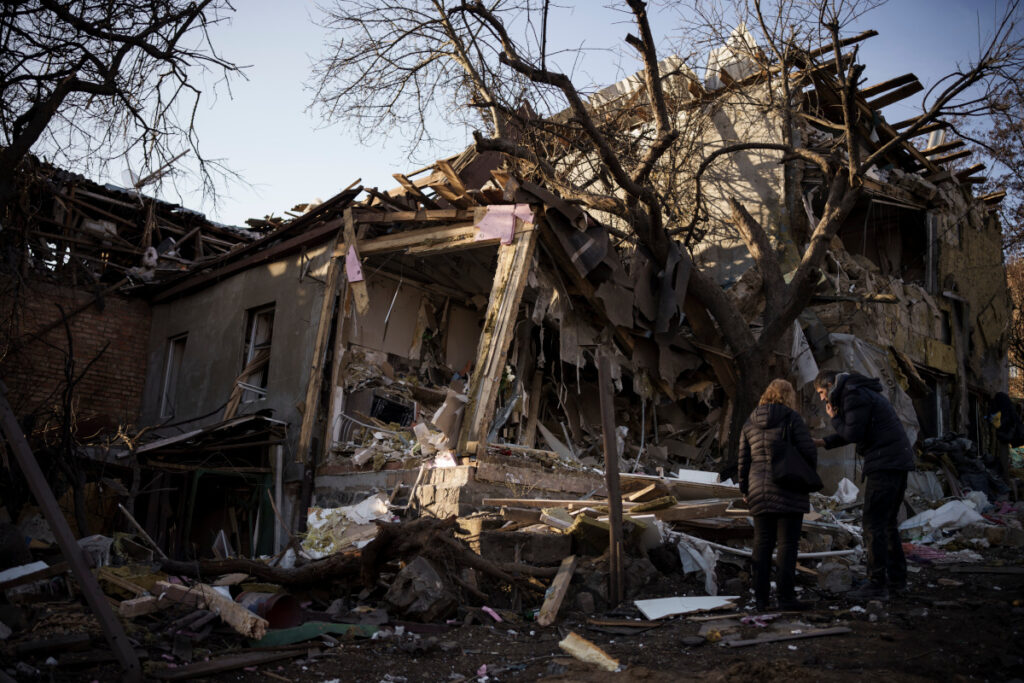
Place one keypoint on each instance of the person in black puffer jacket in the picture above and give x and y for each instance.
(777, 512)
(863, 416)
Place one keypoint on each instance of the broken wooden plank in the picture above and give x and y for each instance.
(585, 651)
(421, 216)
(105, 574)
(236, 616)
(880, 88)
(521, 515)
(551, 502)
(616, 576)
(971, 170)
(222, 664)
(631, 623)
(316, 373)
(816, 633)
(952, 157)
(896, 95)
(547, 456)
(693, 510)
(353, 266)
(510, 277)
(570, 482)
(993, 197)
(556, 593)
(944, 147)
(410, 188)
(637, 495)
(147, 604)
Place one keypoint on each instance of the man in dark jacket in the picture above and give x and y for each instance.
(862, 415)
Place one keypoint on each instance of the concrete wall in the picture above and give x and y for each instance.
(215, 321)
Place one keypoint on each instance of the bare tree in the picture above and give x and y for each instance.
(648, 156)
(87, 82)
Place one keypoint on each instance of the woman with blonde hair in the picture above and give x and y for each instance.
(777, 510)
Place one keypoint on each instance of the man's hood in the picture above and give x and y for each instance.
(851, 380)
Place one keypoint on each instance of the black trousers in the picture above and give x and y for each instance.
(883, 495)
(785, 529)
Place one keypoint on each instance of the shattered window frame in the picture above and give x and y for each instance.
(176, 346)
(259, 335)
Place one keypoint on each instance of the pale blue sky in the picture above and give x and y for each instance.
(264, 132)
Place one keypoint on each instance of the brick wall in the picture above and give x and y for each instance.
(111, 391)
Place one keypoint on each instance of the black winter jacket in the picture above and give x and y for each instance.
(763, 430)
(865, 417)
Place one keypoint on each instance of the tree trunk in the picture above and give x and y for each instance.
(754, 373)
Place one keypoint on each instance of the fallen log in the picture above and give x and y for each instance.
(431, 538)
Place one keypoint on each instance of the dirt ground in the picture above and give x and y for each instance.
(936, 632)
(954, 624)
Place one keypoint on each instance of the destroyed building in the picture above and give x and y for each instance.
(469, 342)
(289, 365)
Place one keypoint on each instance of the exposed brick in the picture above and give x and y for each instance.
(111, 392)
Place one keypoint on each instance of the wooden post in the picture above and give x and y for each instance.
(514, 261)
(536, 388)
(112, 629)
(316, 369)
(616, 578)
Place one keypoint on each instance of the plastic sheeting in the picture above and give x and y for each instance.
(955, 514)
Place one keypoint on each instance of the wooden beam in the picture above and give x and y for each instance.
(944, 147)
(147, 604)
(931, 127)
(244, 622)
(510, 274)
(616, 576)
(880, 88)
(993, 197)
(221, 664)
(358, 287)
(421, 216)
(637, 495)
(976, 168)
(451, 176)
(842, 43)
(556, 592)
(414, 191)
(896, 95)
(952, 157)
(73, 553)
(320, 352)
(694, 510)
(574, 503)
(266, 255)
(814, 633)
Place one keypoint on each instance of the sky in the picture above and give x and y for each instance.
(264, 130)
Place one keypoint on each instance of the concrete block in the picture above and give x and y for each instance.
(420, 592)
(834, 577)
